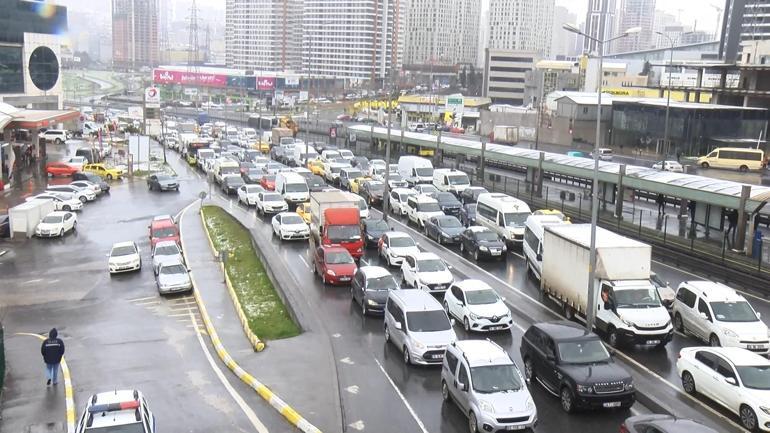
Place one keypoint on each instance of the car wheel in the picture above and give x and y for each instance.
(705, 165)
(466, 325)
(472, 423)
(476, 255)
(323, 278)
(58, 141)
(688, 383)
(74, 226)
(82, 199)
(444, 391)
(678, 323)
(364, 310)
(743, 169)
(109, 176)
(613, 337)
(462, 248)
(314, 269)
(407, 358)
(748, 418)
(529, 370)
(446, 308)
(61, 233)
(66, 207)
(714, 341)
(387, 334)
(567, 402)
(403, 282)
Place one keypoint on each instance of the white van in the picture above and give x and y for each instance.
(734, 159)
(292, 187)
(421, 208)
(533, 240)
(303, 154)
(503, 214)
(450, 180)
(223, 167)
(415, 169)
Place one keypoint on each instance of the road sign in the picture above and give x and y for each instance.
(455, 104)
(152, 97)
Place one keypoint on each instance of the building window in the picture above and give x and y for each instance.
(585, 110)
(11, 70)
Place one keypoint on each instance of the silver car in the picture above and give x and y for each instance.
(173, 278)
(166, 252)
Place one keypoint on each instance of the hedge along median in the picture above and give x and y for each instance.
(267, 316)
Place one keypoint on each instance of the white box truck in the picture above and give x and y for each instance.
(26, 216)
(415, 169)
(506, 134)
(628, 308)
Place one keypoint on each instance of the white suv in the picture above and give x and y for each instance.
(421, 208)
(57, 136)
(394, 246)
(426, 271)
(478, 306)
(487, 386)
(719, 315)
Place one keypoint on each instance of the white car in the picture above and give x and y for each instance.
(247, 194)
(427, 189)
(289, 225)
(57, 136)
(76, 161)
(717, 314)
(346, 154)
(398, 199)
(124, 257)
(122, 410)
(82, 194)
(166, 252)
(394, 246)
(421, 208)
(173, 277)
(87, 185)
(55, 224)
(734, 378)
(668, 166)
(61, 200)
(426, 271)
(270, 202)
(477, 306)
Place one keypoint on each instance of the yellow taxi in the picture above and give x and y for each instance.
(316, 166)
(303, 210)
(355, 184)
(553, 212)
(264, 146)
(103, 170)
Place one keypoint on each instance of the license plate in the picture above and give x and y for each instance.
(755, 347)
(441, 356)
(514, 427)
(439, 288)
(496, 328)
(612, 404)
(496, 253)
(344, 278)
(653, 342)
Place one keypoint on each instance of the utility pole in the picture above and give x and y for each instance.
(386, 193)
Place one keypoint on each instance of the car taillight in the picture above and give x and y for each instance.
(623, 428)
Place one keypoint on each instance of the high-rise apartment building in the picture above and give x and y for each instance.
(600, 24)
(521, 25)
(743, 21)
(135, 35)
(505, 74)
(563, 42)
(442, 31)
(264, 35)
(354, 39)
(636, 13)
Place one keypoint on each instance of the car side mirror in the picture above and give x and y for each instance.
(452, 322)
(759, 315)
(463, 386)
(703, 316)
(731, 381)
(398, 325)
(539, 257)
(449, 267)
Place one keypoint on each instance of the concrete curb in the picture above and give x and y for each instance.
(256, 343)
(273, 399)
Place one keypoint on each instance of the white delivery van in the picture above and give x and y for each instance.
(450, 180)
(292, 187)
(415, 169)
(534, 230)
(503, 214)
(223, 167)
(25, 217)
(303, 154)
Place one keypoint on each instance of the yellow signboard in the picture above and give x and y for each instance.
(641, 92)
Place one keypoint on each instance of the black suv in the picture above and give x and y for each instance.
(471, 194)
(576, 366)
(482, 242)
(449, 204)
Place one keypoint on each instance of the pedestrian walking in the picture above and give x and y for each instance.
(52, 351)
(732, 223)
(661, 200)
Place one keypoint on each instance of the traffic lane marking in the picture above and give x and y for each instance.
(401, 396)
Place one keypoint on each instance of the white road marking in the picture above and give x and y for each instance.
(358, 425)
(36, 280)
(258, 426)
(353, 389)
(403, 399)
(146, 303)
(303, 260)
(519, 255)
(336, 335)
(142, 299)
(347, 360)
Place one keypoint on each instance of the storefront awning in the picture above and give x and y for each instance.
(33, 119)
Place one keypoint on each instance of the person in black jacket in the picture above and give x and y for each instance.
(52, 351)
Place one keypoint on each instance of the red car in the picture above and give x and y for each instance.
(335, 265)
(268, 182)
(163, 228)
(60, 169)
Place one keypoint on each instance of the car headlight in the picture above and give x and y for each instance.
(729, 333)
(585, 389)
(485, 406)
(505, 247)
(474, 316)
(331, 272)
(627, 322)
(628, 386)
(371, 302)
(765, 409)
(485, 249)
(530, 404)
(419, 345)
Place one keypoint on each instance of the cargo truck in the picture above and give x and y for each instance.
(506, 134)
(628, 308)
(334, 220)
(279, 133)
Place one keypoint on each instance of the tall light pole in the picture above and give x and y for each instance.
(672, 44)
(591, 309)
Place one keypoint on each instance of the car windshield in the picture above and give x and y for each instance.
(458, 180)
(733, 312)
(336, 169)
(376, 186)
(292, 219)
(487, 236)
(123, 428)
(377, 225)
(447, 198)
(481, 297)
(424, 171)
(164, 177)
(515, 219)
(296, 187)
(583, 352)
(123, 251)
(428, 189)
(272, 197)
(166, 250)
(755, 377)
(173, 269)
(269, 178)
(403, 197)
(343, 233)
(401, 242)
(339, 258)
(53, 219)
(430, 265)
(427, 321)
(641, 297)
(495, 378)
(331, 155)
(229, 170)
(164, 232)
(315, 181)
(234, 180)
(253, 189)
(428, 207)
(353, 174)
(385, 282)
(449, 223)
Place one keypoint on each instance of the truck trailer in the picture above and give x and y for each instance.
(334, 220)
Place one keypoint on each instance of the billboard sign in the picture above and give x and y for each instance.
(163, 76)
(152, 97)
(191, 91)
(455, 104)
(265, 83)
(291, 82)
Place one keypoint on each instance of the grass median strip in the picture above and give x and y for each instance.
(264, 309)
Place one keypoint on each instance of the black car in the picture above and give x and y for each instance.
(95, 178)
(444, 229)
(482, 242)
(468, 214)
(471, 194)
(316, 183)
(360, 162)
(370, 287)
(277, 153)
(373, 229)
(5, 226)
(662, 424)
(448, 203)
(249, 155)
(231, 183)
(576, 366)
(372, 191)
(253, 175)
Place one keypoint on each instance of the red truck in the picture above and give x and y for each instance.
(335, 220)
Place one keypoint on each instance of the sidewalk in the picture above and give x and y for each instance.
(300, 370)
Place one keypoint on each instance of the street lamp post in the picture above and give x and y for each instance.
(591, 308)
(672, 44)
